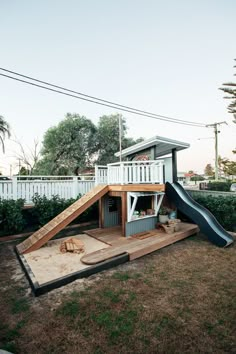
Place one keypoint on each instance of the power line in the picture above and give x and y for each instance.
(105, 101)
(98, 101)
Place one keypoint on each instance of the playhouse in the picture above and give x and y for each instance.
(130, 193)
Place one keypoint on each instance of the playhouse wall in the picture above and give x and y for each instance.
(111, 218)
(140, 225)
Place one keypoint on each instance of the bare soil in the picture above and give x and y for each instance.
(180, 299)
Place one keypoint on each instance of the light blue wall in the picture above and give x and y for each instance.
(111, 218)
(140, 225)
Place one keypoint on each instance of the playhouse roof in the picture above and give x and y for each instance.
(163, 146)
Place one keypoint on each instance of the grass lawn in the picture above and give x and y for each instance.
(180, 299)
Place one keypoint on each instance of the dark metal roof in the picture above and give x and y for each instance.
(163, 146)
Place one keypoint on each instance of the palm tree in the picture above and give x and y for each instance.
(4, 131)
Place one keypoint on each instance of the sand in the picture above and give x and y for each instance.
(48, 263)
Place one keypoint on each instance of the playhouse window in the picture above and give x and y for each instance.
(144, 203)
(112, 204)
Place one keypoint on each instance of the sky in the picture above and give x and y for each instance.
(168, 57)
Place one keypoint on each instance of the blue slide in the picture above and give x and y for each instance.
(198, 214)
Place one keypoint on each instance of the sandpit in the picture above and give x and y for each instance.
(48, 263)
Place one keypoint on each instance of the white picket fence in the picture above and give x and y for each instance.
(63, 186)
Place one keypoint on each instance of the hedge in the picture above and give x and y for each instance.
(219, 186)
(223, 208)
(11, 216)
(14, 219)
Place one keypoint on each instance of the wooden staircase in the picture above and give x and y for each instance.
(40, 237)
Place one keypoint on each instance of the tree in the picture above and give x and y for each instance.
(28, 156)
(230, 89)
(69, 146)
(220, 165)
(23, 171)
(197, 178)
(229, 167)
(4, 131)
(209, 170)
(108, 138)
(76, 143)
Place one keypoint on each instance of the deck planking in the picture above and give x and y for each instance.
(134, 246)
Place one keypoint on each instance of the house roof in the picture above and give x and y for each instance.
(163, 146)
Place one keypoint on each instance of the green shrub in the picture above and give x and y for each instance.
(223, 208)
(15, 219)
(46, 209)
(219, 186)
(11, 216)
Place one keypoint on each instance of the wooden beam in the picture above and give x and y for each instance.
(114, 194)
(152, 202)
(137, 188)
(101, 212)
(123, 212)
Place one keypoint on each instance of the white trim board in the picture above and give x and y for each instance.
(158, 197)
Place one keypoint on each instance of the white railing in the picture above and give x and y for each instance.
(26, 187)
(136, 172)
(127, 172)
(101, 174)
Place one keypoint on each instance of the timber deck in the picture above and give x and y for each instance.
(136, 246)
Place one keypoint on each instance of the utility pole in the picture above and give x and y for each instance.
(120, 135)
(216, 131)
(19, 166)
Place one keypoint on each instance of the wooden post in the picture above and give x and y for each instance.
(101, 212)
(123, 211)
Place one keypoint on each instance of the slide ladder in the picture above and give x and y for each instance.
(40, 237)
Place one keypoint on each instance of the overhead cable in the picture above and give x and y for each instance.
(98, 101)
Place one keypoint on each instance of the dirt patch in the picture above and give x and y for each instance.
(180, 299)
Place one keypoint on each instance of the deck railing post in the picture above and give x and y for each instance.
(160, 172)
(121, 173)
(108, 174)
(14, 188)
(96, 175)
